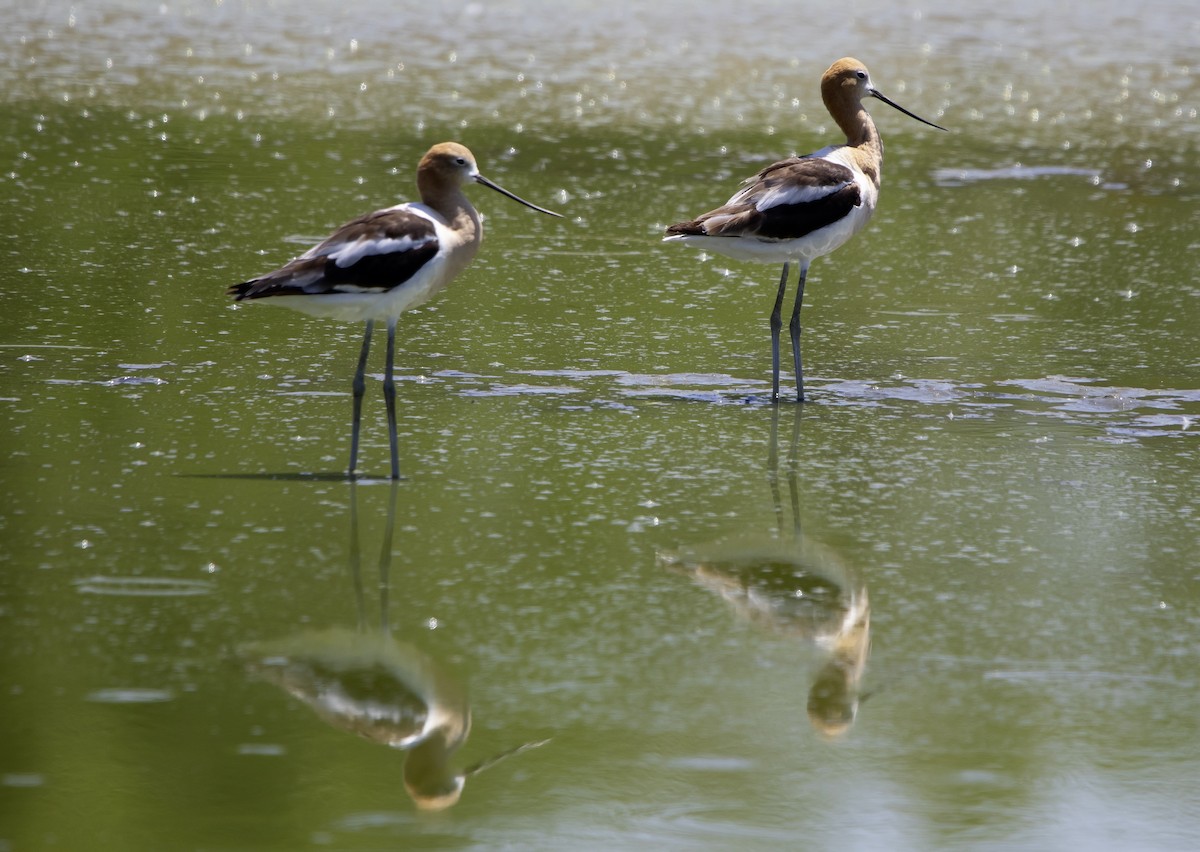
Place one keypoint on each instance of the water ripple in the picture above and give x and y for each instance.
(1017, 171)
(120, 695)
(159, 587)
(1125, 413)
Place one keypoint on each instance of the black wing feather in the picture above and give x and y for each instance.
(315, 273)
(792, 221)
(741, 216)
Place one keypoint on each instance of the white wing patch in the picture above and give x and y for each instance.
(348, 254)
(790, 193)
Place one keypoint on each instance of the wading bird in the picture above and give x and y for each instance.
(801, 208)
(381, 264)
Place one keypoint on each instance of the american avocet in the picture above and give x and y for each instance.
(381, 264)
(803, 207)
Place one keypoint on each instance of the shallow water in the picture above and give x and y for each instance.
(949, 603)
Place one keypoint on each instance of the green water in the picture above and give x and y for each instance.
(605, 539)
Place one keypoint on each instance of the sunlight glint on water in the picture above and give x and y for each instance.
(650, 583)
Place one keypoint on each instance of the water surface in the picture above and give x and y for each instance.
(949, 603)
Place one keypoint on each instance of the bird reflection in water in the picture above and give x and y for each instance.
(368, 683)
(793, 585)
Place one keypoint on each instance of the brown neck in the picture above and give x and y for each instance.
(851, 116)
(854, 120)
(871, 146)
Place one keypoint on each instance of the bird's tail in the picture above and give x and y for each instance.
(686, 229)
(239, 291)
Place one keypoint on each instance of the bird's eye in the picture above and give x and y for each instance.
(862, 75)
(462, 161)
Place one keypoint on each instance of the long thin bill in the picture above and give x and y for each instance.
(481, 179)
(876, 93)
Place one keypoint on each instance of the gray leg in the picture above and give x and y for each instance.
(389, 396)
(794, 329)
(776, 325)
(360, 387)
